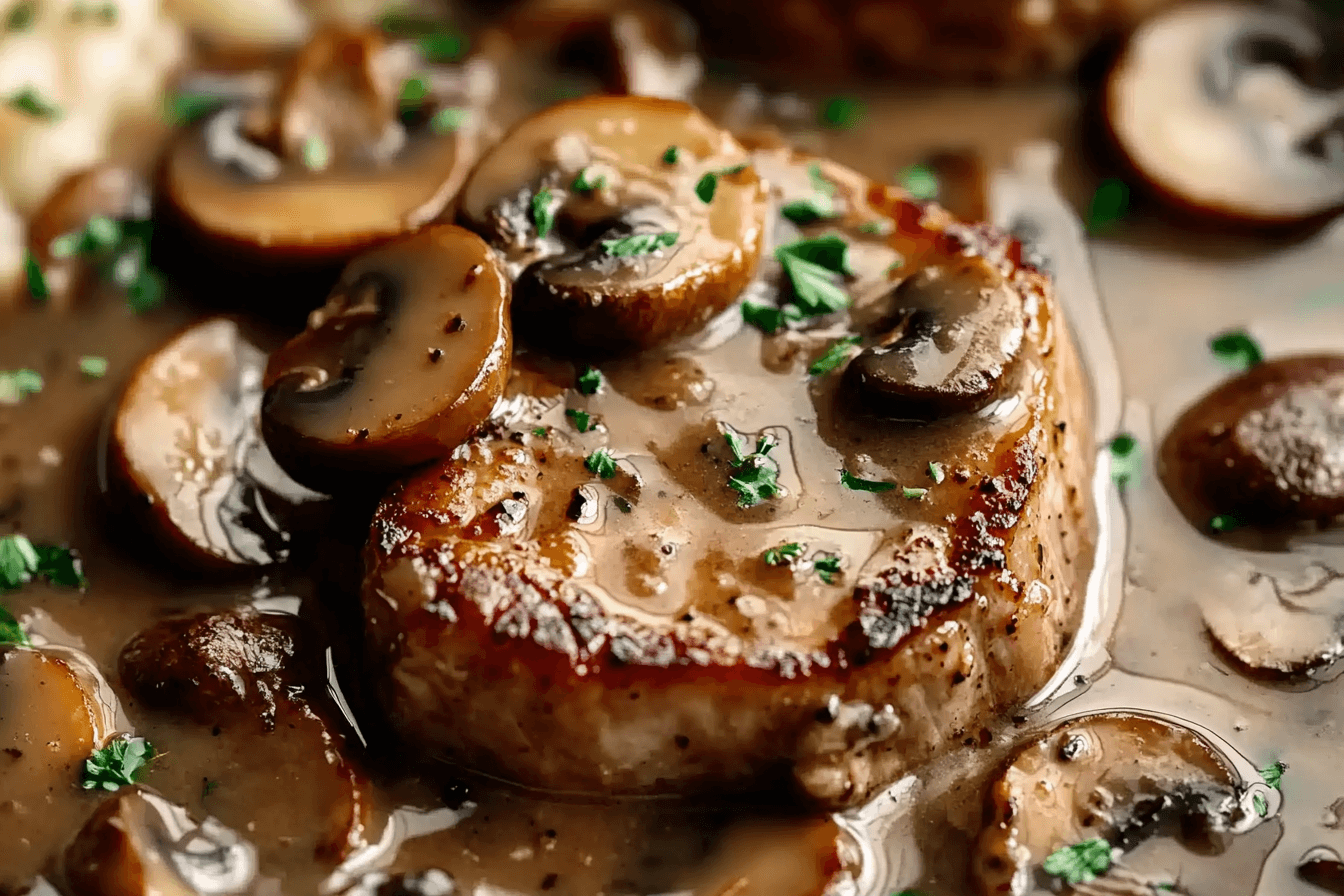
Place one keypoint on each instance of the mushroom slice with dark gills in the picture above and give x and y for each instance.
(139, 844)
(401, 365)
(361, 142)
(1266, 448)
(640, 607)
(629, 220)
(253, 687)
(1116, 778)
(185, 455)
(1226, 109)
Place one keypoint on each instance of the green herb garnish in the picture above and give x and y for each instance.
(639, 244)
(30, 102)
(920, 181)
(590, 380)
(21, 16)
(601, 463)
(828, 567)
(1237, 348)
(1109, 204)
(37, 281)
(185, 108)
(769, 318)
(671, 155)
(815, 292)
(208, 787)
(754, 476)
(414, 93)
(21, 561)
(10, 630)
(1124, 459)
(1079, 863)
(782, 555)
(449, 119)
(16, 385)
(539, 431)
(821, 204)
(60, 566)
(543, 212)
(1224, 522)
(117, 765)
(880, 227)
(583, 421)
(145, 291)
(93, 366)
(585, 182)
(1261, 805)
(830, 252)
(835, 356)
(443, 46)
(914, 494)
(842, 113)
(854, 483)
(936, 472)
(316, 154)
(1273, 774)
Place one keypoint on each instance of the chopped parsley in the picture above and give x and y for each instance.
(782, 555)
(10, 630)
(830, 252)
(30, 102)
(449, 119)
(814, 291)
(1237, 348)
(586, 182)
(820, 204)
(836, 355)
(754, 476)
(443, 46)
(842, 113)
(99, 234)
(208, 787)
(93, 366)
(601, 463)
(117, 765)
(414, 93)
(854, 483)
(769, 318)
(146, 291)
(914, 494)
(708, 184)
(37, 281)
(1079, 863)
(1109, 204)
(1261, 805)
(828, 567)
(1273, 774)
(589, 381)
(21, 561)
(186, 107)
(1224, 522)
(21, 15)
(920, 181)
(16, 385)
(639, 244)
(583, 421)
(1124, 459)
(879, 227)
(671, 155)
(539, 431)
(543, 212)
(316, 154)
(936, 472)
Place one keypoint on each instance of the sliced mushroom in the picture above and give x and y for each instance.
(400, 366)
(958, 329)
(140, 844)
(1265, 448)
(59, 237)
(1216, 107)
(186, 459)
(580, 291)
(329, 167)
(1121, 778)
(255, 686)
(1280, 624)
(51, 718)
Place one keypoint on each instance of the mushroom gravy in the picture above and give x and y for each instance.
(1143, 646)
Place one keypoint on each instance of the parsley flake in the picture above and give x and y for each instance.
(443, 46)
(316, 155)
(449, 119)
(854, 483)
(583, 421)
(1273, 774)
(1224, 522)
(1260, 804)
(1079, 863)
(671, 155)
(1109, 204)
(754, 476)
(1237, 348)
(769, 318)
(782, 555)
(585, 181)
(590, 381)
(836, 355)
(706, 186)
(543, 212)
(539, 431)
(414, 93)
(21, 16)
(819, 205)
(186, 107)
(30, 102)
(914, 494)
(814, 291)
(878, 227)
(37, 281)
(1124, 459)
(16, 385)
(93, 366)
(639, 244)
(830, 252)
(10, 630)
(921, 182)
(208, 787)
(842, 113)
(828, 567)
(936, 472)
(117, 765)
(21, 561)
(601, 463)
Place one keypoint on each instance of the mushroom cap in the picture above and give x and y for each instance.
(186, 454)
(1216, 132)
(572, 295)
(1092, 777)
(401, 365)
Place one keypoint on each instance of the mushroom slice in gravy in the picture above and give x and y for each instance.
(629, 221)
(401, 365)
(1209, 104)
(1120, 778)
(185, 455)
(139, 844)
(329, 167)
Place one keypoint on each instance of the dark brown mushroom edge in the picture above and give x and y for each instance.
(1120, 779)
(1225, 110)
(626, 220)
(690, 573)
(185, 457)
(362, 141)
(403, 363)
